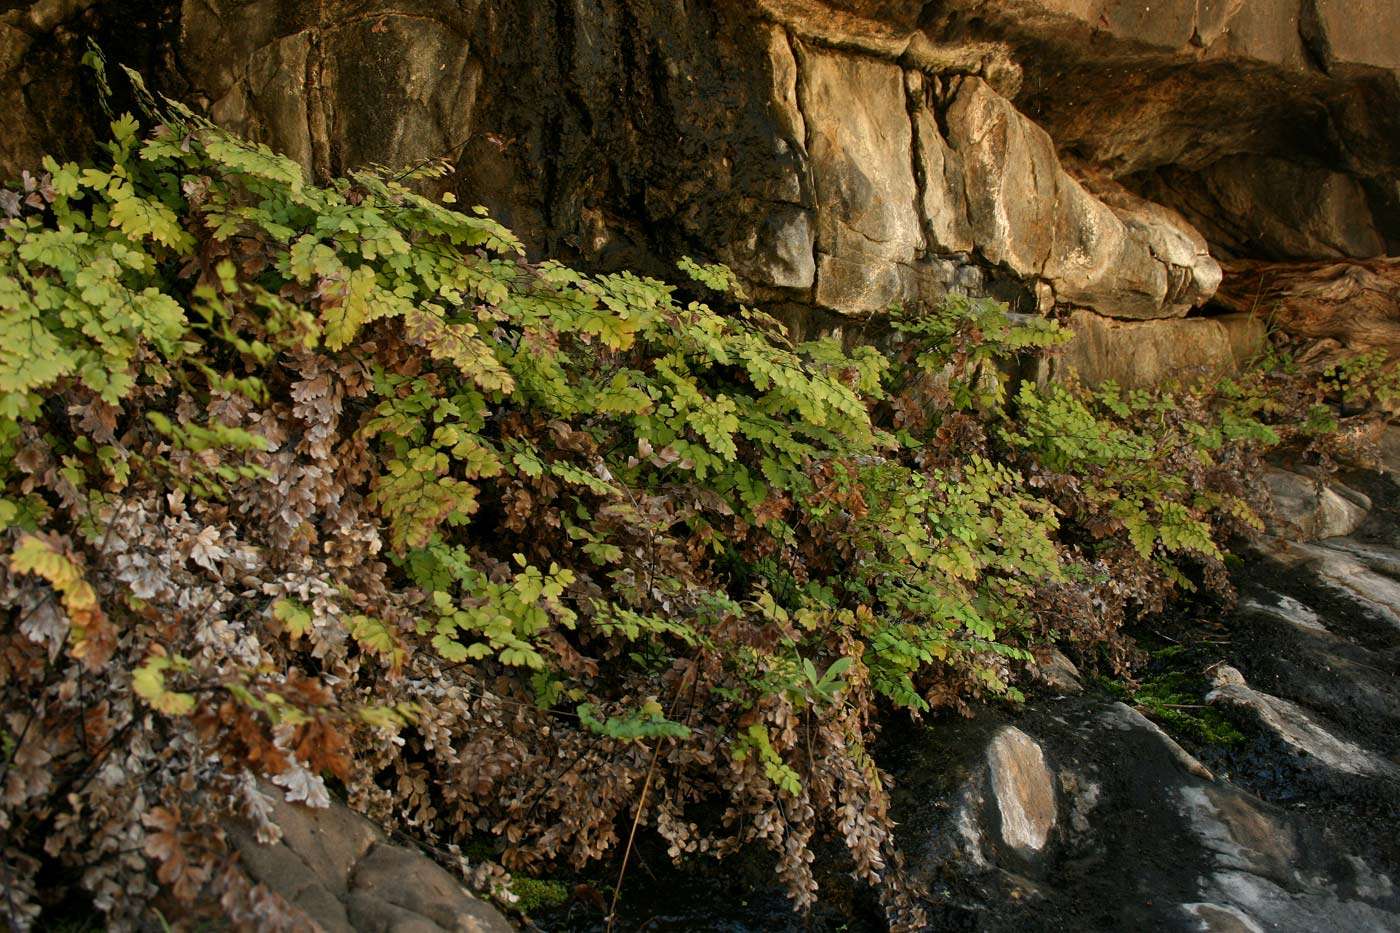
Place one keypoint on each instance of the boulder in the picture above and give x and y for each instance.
(1147, 353)
(348, 877)
(1307, 508)
(1272, 209)
(398, 889)
(1056, 671)
(1297, 728)
(859, 140)
(1028, 215)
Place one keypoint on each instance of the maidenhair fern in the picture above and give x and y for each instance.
(307, 482)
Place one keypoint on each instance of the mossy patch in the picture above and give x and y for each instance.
(538, 894)
(1172, 693)
(1176, 699)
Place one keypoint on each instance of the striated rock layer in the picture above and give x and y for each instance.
(841, 155)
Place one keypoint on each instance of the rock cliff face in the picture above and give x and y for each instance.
(1098, 156)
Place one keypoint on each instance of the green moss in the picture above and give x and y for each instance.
(1176, 700)
(1173, 694)
(538, 894)
(1115, 688)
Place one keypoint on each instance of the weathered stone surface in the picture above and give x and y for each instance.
(1281, 88)
(778, 250)
(1287, 609)
(1170, 239)
(1010, 178)
(1123, 717)
(41, 46)
(1295, 643)
(1056, 671)
(1220, 918)
(616, 134)
(625, 134)
(942, 185)
(1030, 216)
(1273, 209)
(826, 170)
(1256, 870)
(397, 889)
(1143, 353)
(1361, 32)
(1273, 906)
(1296, 727)
(1305, 509)
(1276, 31)
(1390, 452)
(1024, 790)
(1365, 574)
(1241, 834)
(389, 86)
(347, 877)
(1355, 304)
(1290, 832)
(888, 31)
(610, 134)
(1154, 840)
(859, 141)
(1193, 82)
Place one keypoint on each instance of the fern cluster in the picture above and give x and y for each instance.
(312, 489)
